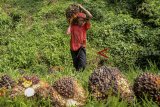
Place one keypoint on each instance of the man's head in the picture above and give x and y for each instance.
(81, 18)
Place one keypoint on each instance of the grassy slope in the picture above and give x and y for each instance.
(33, 38)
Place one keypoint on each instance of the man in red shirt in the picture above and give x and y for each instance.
(77, 30)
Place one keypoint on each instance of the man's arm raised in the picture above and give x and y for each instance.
(86, 11)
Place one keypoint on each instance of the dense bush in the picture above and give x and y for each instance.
(5, 22)
(131, 40)
(148, 12)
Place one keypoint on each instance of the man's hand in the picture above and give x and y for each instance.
(86, 11)
(68, 30)
(80, 6)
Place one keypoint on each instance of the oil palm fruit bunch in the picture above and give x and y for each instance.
(7, 82)
(27, 81)
(17, 91)
(3, 91)
(71, 12)
(42, 89)
(68, 92)
(105, 81)
(147, 85)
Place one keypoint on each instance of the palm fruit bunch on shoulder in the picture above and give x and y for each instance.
(147, 85)
(105, 81)
(71, 12)
(68, 92)
(7, 82)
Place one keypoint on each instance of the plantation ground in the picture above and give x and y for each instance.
(33, 39)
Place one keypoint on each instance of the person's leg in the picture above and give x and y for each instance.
(82, 59)
(74, 58)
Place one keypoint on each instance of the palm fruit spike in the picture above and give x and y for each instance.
(71, 12)
(147, 84)
(28, 81)
(3, 91)
(42, 89)
(7, 82)
(67, 92)
(123, 86)
(17, 91)
(35, 79)
(106, 81)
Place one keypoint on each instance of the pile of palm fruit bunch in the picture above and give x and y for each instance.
(6, 83)
(71, 12)
(64, 92)
(147, 85)
(30, 86)
(67, 92)
(106, 81)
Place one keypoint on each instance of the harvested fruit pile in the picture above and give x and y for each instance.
(147, 84)
(107, 81)
(6, 82)
(103, 82)
(24, 83)
(64, 92)
(67, 92)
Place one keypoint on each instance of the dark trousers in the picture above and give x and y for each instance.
(79, 58)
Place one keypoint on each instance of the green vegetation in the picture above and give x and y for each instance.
(33, 39)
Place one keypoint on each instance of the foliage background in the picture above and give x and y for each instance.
(33, 39)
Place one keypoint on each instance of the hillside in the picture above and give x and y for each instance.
(33, 40)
